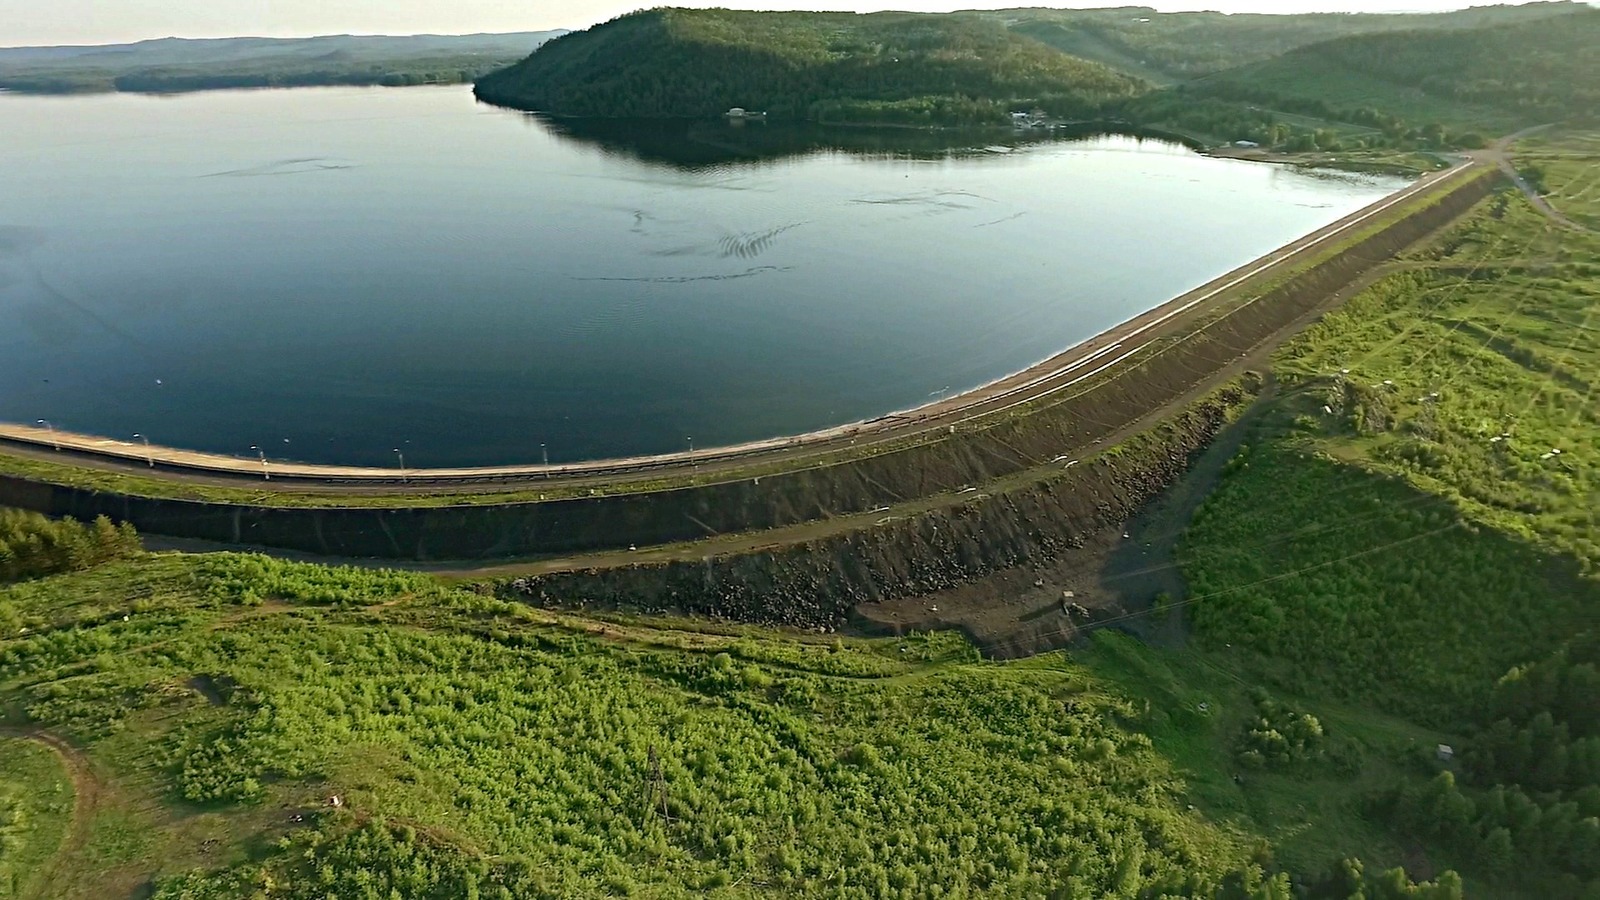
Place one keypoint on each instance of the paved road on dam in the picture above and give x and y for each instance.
(1100, 354)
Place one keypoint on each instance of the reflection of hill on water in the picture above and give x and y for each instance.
(701, 143)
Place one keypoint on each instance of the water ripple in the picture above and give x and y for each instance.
(684, 279)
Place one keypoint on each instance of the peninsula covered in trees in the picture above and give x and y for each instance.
(894, 67)
(1303, 82)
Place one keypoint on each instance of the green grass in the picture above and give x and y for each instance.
(1195, 703)
(787, 768)
(35, 811)
(1397, 536)
(1502, 339)
(1382, 597)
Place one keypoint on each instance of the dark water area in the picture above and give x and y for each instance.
(336, 273)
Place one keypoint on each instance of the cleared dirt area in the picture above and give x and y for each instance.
(1116, 578)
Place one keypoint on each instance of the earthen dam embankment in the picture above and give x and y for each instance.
(1051, 415)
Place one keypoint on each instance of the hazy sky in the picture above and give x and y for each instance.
(26, 22)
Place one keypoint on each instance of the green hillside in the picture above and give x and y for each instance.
(883, 67)
(1496, 77)
(1182, 46)
(178, 64)
(209, 709)
(1413, 528)
(1296, 82)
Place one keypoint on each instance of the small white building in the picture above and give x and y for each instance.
(738, 112)
(1246, 144)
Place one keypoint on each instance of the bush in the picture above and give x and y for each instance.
(250, 578)
(33, 546)
(1279, 735)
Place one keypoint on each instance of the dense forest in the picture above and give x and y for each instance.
(883, 67)
(1522, 73)
(32, 546)
(1181, 46)
(173, 64)
(1297, 83)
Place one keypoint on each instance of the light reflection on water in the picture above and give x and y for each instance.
(355, 268)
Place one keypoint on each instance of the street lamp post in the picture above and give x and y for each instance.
(266, 474)
(693, 466)
(55, 441)
(149, 454)
(402, 464)
(546, 454)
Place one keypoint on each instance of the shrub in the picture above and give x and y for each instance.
(33, 546)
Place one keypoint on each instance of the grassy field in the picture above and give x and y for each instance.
(227, 698)
(1411, 541)
(1472, 374)
(480, 748)
(35, 808)
(1199, 706)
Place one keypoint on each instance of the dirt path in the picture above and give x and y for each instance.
(85, 798)
(1144, 566)
(1500, 154)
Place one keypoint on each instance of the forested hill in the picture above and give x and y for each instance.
(1183, 45)
(179, 64)
(1506, 76)
(904, 67)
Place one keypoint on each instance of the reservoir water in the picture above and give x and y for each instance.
(334, 274)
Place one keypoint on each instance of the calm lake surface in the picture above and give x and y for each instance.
(336, 273)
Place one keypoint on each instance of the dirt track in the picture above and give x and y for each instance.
(85, 797)
(1500, 154)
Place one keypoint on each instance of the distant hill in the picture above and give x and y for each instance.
(895, 67)
(1498, 77)
(1171, 47)
(179, 64)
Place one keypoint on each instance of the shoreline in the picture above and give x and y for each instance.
(1069, 367)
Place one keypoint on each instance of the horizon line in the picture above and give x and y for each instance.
(1465, 5)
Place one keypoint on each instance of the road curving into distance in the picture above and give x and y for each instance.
(1096, 356)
